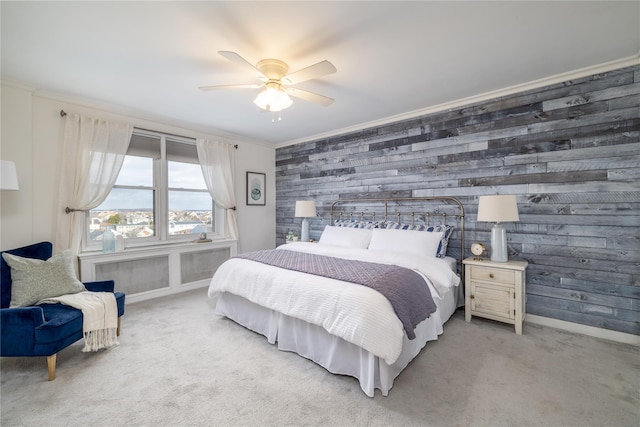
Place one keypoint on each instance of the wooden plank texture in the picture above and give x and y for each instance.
(570, 152)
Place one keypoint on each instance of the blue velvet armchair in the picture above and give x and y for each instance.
(45, 329)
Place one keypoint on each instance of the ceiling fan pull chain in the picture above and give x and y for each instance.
(273, 117)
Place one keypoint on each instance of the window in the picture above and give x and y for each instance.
(159, 196)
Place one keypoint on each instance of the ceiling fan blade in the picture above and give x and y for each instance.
(325, 101)
(311, 72)
(234, 57)
(251, 86)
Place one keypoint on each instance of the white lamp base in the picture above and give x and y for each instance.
(498, 243)
(304, 236)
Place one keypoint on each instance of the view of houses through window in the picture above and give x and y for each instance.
(160, 194)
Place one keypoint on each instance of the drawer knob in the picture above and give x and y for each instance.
(491, 275)
(472, 296)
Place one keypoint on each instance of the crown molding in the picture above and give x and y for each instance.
(138, 118)
(535, 84)
(17, 85)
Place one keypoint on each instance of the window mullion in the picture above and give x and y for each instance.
(161, 184)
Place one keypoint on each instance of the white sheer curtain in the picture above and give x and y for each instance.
(217, 161)
(92, 155)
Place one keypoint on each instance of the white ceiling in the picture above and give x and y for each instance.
(393, 58)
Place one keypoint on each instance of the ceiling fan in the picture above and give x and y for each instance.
(278, 85)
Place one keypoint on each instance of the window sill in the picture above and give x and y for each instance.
(160, 248)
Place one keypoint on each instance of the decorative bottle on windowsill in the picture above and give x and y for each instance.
(119, 242)
(108, 240)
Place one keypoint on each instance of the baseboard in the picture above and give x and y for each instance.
(592, 331)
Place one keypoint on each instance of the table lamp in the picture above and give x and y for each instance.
(305, 209)
(498, 209)
(8, 175)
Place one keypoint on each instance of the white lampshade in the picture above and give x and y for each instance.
(273, 98)
(305, 209)
(8, 175)
(501, 208)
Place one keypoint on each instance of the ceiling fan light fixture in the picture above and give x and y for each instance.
(277, 84)
(273, 98)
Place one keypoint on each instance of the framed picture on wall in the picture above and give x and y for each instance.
(256, 189)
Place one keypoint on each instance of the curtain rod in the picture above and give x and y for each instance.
(64, 113)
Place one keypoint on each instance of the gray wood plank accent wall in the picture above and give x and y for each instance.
(570, 152)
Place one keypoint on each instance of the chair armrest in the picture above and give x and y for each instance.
(18, 332)
(101, 286)
(21, 316)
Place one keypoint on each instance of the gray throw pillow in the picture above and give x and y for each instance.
(34, 279)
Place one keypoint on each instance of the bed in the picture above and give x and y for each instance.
(347, 328)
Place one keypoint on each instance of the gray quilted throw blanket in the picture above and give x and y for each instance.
(405, 289)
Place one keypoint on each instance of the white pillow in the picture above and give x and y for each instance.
(406, 241)
(347, 237)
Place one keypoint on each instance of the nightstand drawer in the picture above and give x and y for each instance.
(487, 274)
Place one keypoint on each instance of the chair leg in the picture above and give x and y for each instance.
(51, 360)
(51, 364)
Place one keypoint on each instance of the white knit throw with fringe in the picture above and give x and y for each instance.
(100, 317)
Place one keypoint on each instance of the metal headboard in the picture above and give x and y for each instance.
(398, 215)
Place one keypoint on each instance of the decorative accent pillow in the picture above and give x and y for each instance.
(352, 223)
(447, 230)
(405, 241)
(34, 279)
(344, 236)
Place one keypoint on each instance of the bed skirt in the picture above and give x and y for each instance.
(333, 353)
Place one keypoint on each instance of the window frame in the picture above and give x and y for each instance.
(160, 188)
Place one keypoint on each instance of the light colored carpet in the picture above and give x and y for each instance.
(180, 364)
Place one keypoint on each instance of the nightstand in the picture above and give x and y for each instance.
(495, 290)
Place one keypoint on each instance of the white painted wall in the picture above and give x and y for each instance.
(256, 222)
(32, 136)
(16, 207)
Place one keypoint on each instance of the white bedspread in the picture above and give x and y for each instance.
(357, 314)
